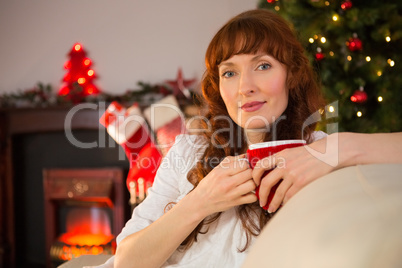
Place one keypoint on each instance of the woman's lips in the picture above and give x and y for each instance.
(252, 106)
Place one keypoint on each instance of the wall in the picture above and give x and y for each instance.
(127, 40)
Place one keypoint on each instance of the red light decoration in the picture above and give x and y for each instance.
(319, 55)
(87, 62)
(354, 44)
(90, 90)
(271, 1)
(77, 47)
(79, 78)
(346, 5)
(359, 96)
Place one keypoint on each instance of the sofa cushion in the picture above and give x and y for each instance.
(349, 218)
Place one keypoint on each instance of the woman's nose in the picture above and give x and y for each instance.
(246, 84)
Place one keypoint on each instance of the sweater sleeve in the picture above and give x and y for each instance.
(170, 184)
(318, 135)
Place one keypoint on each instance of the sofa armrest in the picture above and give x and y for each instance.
(349, 218)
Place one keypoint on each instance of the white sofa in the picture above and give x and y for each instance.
(351, 218)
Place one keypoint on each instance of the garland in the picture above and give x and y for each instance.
(43, 96)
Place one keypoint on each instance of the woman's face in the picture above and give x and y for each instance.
(253, 87)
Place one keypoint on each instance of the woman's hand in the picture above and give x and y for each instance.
(227, 185)
(302, 165)
(297, 167)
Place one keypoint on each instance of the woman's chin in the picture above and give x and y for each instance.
(261, 128)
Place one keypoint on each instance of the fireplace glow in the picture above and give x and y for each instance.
(85, 239)
(88, 232)
(84, 211)
(88, 221)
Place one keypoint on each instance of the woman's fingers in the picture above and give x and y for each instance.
(227, 185)
(245, 183)
(233, 164)
(267, 183)
(279, 196)
(262, 166)
(247, 199)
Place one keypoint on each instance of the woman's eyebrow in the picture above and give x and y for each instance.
(226, 63)
(257, 57)
(230, 64)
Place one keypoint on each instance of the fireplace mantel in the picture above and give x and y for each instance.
(23, 121)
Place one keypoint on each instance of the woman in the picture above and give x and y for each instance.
(258, 86)
(202, 211)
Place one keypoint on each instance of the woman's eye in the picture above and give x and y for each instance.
(228, 74)
(264, 66)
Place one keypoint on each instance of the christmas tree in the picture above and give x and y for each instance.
(79, 78)
(354, 45)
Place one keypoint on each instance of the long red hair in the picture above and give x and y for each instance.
(248, 33)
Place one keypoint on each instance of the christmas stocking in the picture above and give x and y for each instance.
(167, 121)
(130, 130)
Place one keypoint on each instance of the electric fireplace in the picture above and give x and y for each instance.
(84, 211)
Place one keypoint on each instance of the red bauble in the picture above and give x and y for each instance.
(354, 44)
(359, 96)
(346, 5)
(319, 56)
(271, 1)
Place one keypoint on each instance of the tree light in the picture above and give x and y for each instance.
(91, 72)
(331, 109)
(349, 58)
(368, 58)
(388, 39)
(311, 40)
(331, 53)
(335, 17)
(391, 62)
(379, 73)
(323, 40)
(77, 47)
(359, 114)
(87, 62)
(81, 80)
(90, 90)
(380, 99)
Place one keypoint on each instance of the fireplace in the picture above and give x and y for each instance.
(84, 212)
(32, 140)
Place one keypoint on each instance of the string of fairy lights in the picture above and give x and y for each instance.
(353, 44)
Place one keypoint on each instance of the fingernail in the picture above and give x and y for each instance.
(271, 210)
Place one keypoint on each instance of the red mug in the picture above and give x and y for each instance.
(261, 150)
